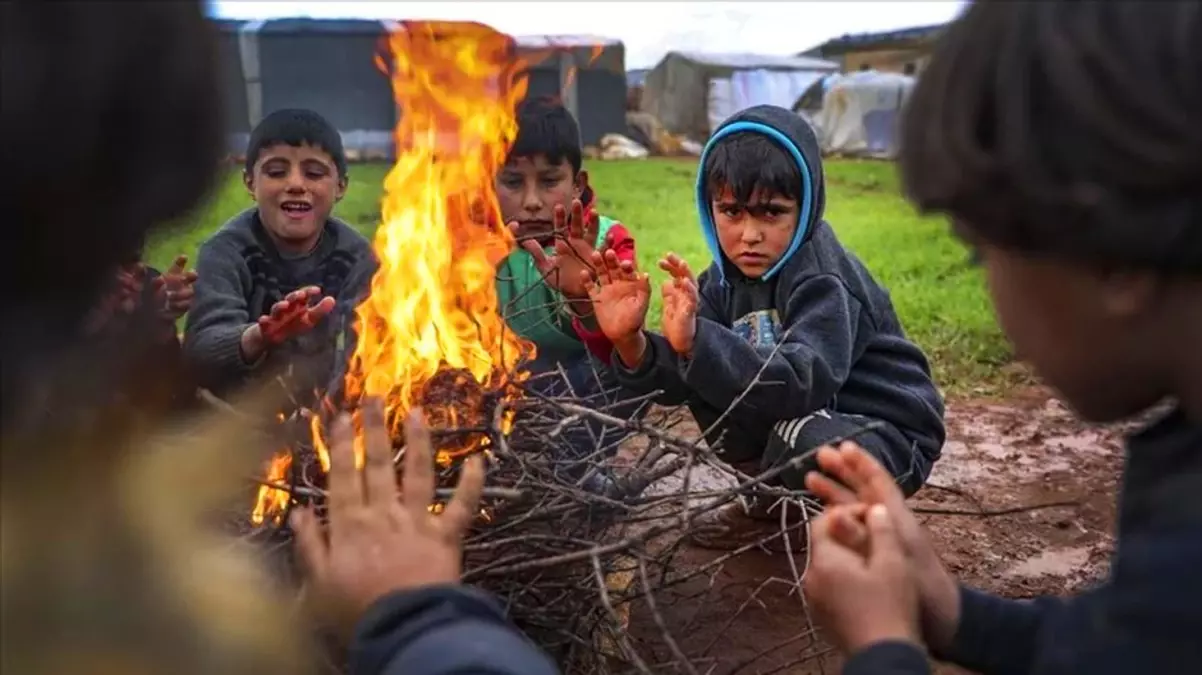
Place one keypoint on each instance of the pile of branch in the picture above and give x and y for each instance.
(588, 549)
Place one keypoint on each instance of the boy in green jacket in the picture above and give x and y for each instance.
(543, 189)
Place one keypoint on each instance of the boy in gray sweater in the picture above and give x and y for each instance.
(279, 280)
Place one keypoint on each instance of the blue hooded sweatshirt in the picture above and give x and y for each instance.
(816, 329)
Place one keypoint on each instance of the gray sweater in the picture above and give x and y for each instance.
(241, 274)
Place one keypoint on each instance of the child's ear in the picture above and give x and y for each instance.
(340, 191)
(581, 184)
(248, 180)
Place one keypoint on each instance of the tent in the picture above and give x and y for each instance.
(594, 72)
(691, 93)
(329, 66)
(860, 113)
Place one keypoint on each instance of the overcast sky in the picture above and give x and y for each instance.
(648, 29)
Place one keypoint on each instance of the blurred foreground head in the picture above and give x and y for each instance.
(1062, 138)
(110, 127)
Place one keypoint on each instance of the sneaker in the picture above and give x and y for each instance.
(734, 526)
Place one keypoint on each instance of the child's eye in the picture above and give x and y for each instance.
(730, 211)
(550, 182)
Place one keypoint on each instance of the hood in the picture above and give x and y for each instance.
(797, 137)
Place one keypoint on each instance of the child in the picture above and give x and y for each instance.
(272, 275)
(786, 329)
(138, 313)
(1079, 187)
(542, 189)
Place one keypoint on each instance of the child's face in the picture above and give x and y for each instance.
(295, 189)
(529, 188)
(1087, 333)
(754, 236)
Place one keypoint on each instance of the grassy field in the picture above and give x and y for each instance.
(940, 298)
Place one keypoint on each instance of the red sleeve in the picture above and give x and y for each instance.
(619, 240)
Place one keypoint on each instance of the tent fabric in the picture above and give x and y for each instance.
(329, 66)
(860, 113)
(691, 93)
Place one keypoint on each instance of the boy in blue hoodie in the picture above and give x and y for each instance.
(1079, 188)
(785, 342)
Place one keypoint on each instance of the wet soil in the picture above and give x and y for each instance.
(1027, 451)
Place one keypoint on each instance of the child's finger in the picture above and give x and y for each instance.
(592, 224)
(190, 277)
(417, 480)
(828, 491)
(314, 551)
(559, 219)
(884, 540)
(576, 221)
(179, 265)
(459, 512)
(628, 271)
(541, 262)
(379, 473)
(848, 528)
(344, 482)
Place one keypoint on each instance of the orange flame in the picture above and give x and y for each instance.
(433, 306)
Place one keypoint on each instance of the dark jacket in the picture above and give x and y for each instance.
(816, 330)
(443, 630)
(1146, 618)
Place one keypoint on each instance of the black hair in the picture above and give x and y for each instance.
(295, 127)
(111, 125)
(745, 162)
(547, 128)
(1065, 129)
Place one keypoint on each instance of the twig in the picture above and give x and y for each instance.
(440, 493)
(990, 513)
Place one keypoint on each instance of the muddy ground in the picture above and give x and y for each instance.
(1024, 452)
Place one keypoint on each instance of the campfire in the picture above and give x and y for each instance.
(600, 578)
(430, 332)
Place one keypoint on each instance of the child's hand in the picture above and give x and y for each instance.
(862, 480)
(680, 304)
(130, 279)
(174, 290)
(862, 598)
(293, 315)
(620, 295)
(379, 543)
(563, 268)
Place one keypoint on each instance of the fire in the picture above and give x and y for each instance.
(430, 332)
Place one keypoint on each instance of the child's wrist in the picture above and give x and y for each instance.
(632, 349)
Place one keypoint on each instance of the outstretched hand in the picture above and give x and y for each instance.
(855, 477)
(378, 543)
(681, 298)
(620, 295)
(565, 268)
(294, 315)
(861, 596)
(174, 290)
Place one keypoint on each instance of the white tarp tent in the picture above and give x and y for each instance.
(691, 93)
(860, 113)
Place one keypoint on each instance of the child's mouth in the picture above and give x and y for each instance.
(296, 209)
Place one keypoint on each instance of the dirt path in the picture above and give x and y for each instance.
(1027, 451)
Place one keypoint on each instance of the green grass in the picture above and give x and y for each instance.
(940, 298)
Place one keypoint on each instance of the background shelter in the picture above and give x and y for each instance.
(328, 65)
(860, 113)
(691, 93)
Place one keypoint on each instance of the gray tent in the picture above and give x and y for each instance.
(329, 66)
(690, 93)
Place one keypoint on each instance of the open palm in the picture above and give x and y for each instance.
(620, 295)
(680, 304)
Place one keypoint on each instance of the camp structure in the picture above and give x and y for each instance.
(691, 93)
(859, 112)
(330, 66)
